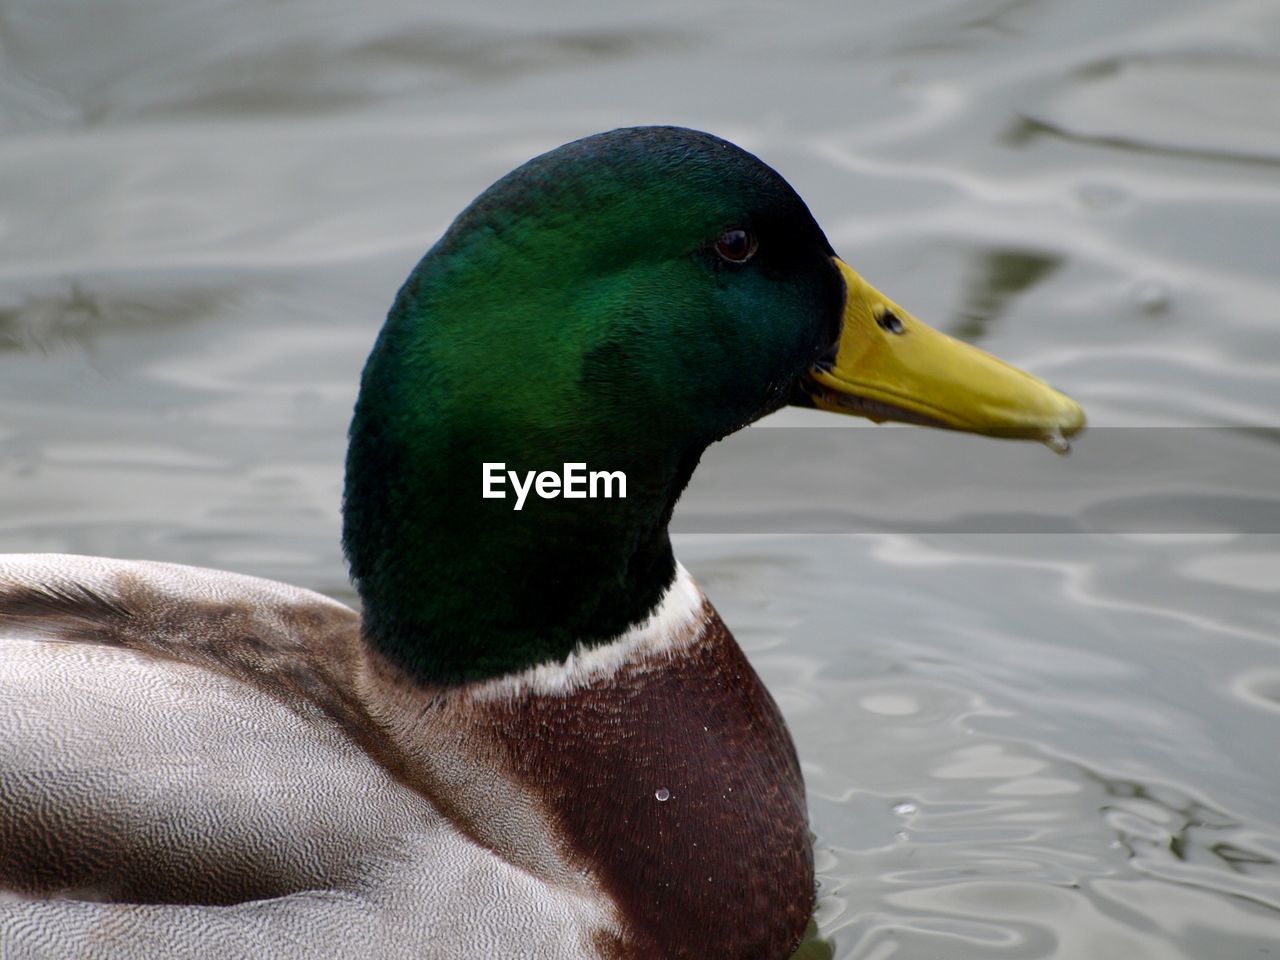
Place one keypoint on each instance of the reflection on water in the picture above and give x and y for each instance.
(1200, 105)
(1000, 276)
(1054, 742)
(77, 317)
(1026, 129)
(1155, 824)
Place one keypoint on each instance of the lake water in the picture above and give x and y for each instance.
(1037, 700)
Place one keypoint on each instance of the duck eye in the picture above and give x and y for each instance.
(889, 321)
(736, 246)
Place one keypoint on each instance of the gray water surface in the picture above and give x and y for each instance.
(1053, 739)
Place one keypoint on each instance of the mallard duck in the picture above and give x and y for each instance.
(539, 739)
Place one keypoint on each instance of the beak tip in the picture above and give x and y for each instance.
(1073, 419)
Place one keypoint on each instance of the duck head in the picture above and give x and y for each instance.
(620, 302)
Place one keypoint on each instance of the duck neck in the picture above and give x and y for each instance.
(458, 586)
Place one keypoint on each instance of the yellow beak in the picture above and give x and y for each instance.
(890, 366)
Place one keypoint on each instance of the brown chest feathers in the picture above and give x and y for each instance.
(675, 782)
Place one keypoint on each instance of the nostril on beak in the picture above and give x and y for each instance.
(890, 322)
